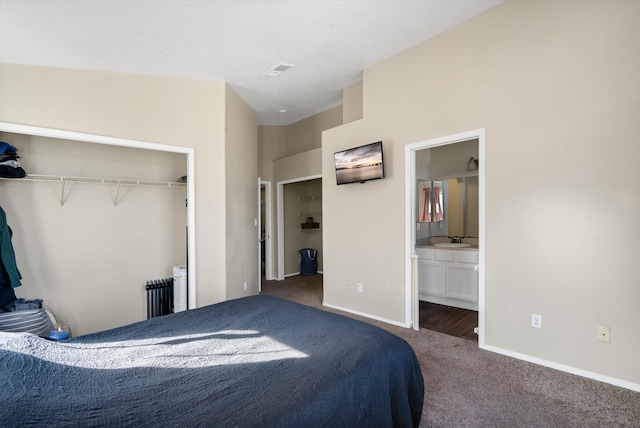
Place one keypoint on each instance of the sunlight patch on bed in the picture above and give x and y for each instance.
(227, 347)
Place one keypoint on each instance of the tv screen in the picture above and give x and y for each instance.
(359, 164)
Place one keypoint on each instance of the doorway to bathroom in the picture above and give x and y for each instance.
(445, 234)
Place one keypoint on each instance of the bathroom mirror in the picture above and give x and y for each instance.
(449, 207)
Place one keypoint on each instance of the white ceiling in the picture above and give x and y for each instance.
(330, 42)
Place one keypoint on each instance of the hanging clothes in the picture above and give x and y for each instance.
(7, 255)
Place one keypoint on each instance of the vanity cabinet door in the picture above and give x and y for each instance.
(448, 277)
(462, 282)
(431, 277)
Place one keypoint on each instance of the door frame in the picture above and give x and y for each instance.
(411, 318)
(268, 272)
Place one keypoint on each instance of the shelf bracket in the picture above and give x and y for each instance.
(62, 198)
(115, 199)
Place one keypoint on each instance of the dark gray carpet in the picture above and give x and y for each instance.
(469, 387)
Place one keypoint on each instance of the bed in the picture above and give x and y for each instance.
(254, 361)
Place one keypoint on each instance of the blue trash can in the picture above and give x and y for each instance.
(308, 262)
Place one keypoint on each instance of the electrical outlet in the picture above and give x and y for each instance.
(604, 334)
(245, 286)
(536, 321)
(359, 287)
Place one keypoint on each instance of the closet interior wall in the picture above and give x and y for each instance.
(88, 258)
(301, 200)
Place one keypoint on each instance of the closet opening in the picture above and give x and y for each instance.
(299, 216)
(99, 221)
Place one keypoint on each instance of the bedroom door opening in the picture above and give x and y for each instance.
(446, 161)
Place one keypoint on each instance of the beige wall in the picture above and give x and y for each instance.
(179, 112)
(352, 103)
(242, 197)
(306, 134)
(557, 97)
(88, 259)
(271, 146)
(448, 161)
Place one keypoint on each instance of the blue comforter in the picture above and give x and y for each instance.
(255, 361)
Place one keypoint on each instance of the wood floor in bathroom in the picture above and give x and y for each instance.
(448, 320)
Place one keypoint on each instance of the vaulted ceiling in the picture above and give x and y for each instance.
(327, 43)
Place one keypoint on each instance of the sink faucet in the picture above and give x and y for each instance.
(456, 240)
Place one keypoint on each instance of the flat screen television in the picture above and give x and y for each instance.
(359, 164)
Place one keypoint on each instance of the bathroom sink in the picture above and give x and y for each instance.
(451, 245)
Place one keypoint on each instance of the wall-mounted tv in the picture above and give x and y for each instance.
(359, 164)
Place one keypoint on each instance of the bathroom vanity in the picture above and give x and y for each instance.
(447, 227)
(448, 276)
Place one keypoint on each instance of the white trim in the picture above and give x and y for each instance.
(564, 368)
(409, 230)
(191, 229)
(366, 315)
(259, 233)
(280, 218)
(481, 237)
(268, 259)
(111, 141)
(410, 220)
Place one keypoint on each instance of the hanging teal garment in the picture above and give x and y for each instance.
(7, 255)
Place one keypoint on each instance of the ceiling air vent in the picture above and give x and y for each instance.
(278, 69)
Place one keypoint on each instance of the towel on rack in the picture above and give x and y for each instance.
(7, 255)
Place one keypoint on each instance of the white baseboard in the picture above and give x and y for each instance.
(568, 369)
(362, 314)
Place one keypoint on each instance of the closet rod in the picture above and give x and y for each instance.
(65, 178)
(96, 180)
